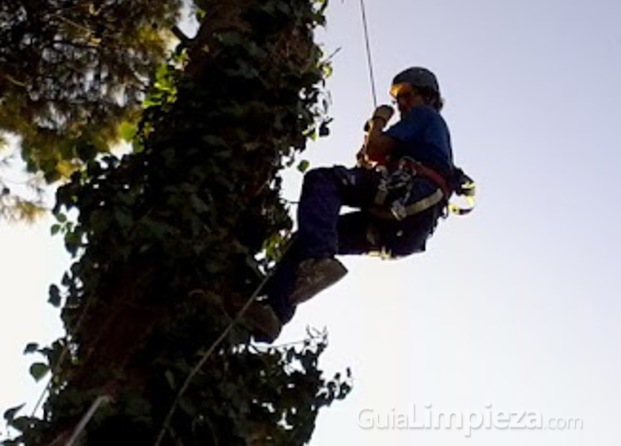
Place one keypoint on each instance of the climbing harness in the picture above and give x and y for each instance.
(395, 189)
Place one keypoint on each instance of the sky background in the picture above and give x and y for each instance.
(513, 308)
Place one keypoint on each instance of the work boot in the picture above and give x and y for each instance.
(314, 276)
(260, 319)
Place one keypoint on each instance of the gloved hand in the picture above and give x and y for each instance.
(383, 112)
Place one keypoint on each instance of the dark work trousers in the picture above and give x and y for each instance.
(323, 232)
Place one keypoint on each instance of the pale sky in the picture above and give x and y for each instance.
(513, 310)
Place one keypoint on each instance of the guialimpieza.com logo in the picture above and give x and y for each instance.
(488, 418)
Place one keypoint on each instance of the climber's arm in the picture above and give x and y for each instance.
(377, 145)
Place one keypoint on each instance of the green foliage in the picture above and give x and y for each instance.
(15, 208)
(168, 237)
(303, 166)
(9, 414)
(54, 298)
(38, 370)
(73, 76)
(71, 72)
(31, 347)
(21, 198)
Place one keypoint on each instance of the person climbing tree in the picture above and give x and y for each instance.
(400, 187)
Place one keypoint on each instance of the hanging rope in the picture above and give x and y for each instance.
(101, 400)
(367, 41)
(236, 320)
(204, 358)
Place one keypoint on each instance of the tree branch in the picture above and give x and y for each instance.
(14, 81)
(183, 38)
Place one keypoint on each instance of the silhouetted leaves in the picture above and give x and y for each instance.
(169, 238)
(38, 370)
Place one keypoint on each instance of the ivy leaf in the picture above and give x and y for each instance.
(61, 218)
(38, 370)
(231, 38)
(123, 218)
(186, 405)
(54, 298)
(197, 204)
(324, 130)
(127, 131)
(303, 166)
(31, 347)
(21, 424)
(9, 414)
(55, 229)
(170, 378)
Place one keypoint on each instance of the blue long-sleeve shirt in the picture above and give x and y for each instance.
(423, 135)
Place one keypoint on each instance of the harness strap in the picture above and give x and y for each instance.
(438, 179)
(413, 208)
(401, 179)
(380, 196)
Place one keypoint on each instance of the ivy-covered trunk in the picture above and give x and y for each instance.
(168, 236)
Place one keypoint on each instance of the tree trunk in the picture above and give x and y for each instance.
(168, 234)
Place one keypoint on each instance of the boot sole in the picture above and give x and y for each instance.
(302, 295)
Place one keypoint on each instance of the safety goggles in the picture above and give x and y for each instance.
(402, 90)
